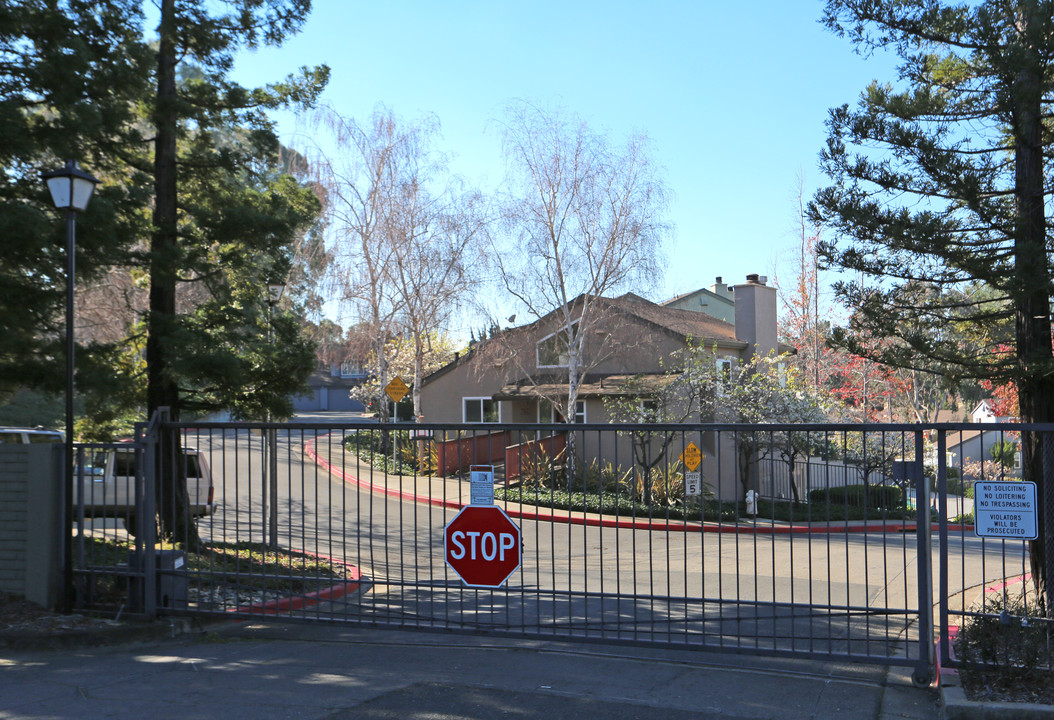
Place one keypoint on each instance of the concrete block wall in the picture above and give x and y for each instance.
(31, 521)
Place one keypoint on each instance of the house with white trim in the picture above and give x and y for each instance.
(513, 378)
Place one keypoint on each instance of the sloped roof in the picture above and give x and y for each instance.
(684, 324)
(701, 291)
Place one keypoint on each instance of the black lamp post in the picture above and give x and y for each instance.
(71, 189)
(274, 296)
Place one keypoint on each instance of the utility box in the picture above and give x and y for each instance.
(171, 580)
(904, 471)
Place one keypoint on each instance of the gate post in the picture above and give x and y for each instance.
(925, 666)
(146, 509)
(942, 524)
(1047, 514)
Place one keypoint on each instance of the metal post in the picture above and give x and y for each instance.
(270, 441)
(1047, 510)
(67, 544)
(148, 460)
(942, 506)
(925, 667)
(272, 471)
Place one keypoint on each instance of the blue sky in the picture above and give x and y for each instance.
(732, 95)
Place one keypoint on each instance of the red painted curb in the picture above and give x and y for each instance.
(606, 522)
(309, 450)
(298, 602)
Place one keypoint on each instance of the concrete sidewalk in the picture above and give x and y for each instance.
(263, 670)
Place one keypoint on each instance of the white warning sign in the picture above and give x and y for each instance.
(1005, 510)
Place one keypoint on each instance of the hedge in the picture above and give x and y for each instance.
(889, 497)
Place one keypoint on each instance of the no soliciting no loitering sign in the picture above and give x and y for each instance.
(1005, 510)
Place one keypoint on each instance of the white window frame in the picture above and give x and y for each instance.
(482, 413)
(580, 412)
(350, 369)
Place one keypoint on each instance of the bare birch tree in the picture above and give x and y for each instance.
(436, 254)
(584, 219)
(407, 239)
(364, 180)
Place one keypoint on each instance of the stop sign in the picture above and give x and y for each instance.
(482, 545)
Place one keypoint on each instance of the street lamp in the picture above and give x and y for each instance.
(71, 189)
(274, 296)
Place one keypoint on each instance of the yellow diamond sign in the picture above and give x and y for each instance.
(691, 457)
(396, 389)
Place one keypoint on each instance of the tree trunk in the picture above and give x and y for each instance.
(1032, 317)
(162, 391)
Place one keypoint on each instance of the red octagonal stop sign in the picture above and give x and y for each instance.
(482, 545)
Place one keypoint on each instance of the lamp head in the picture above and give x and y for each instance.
(71, 188)
(275, 291)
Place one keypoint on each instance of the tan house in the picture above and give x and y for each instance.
(520, 376)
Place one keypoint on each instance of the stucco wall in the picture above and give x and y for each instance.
(30, 521)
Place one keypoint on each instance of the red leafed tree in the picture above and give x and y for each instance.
(1003, 394)
(866, 387)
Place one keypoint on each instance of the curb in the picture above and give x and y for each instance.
(120, 634)
(607, 522)
(299, 602)
(955, 705)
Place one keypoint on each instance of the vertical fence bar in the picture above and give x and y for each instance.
(1046, 489)
(942, 508)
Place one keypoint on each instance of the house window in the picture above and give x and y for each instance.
(724, 374)
(480, 410)
(351, 369)
(548, 413)
(554, 350)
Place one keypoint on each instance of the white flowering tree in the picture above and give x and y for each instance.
(706, 386)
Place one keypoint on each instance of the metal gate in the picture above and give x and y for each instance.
(324, 522)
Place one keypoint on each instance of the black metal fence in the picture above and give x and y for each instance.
(835, 541)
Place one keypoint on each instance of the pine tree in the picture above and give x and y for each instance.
(193, 199)
(938, 182)
(70, 76)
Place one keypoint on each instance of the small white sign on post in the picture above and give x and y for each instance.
(693, 484)
(1005, 510)
(481, 483)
